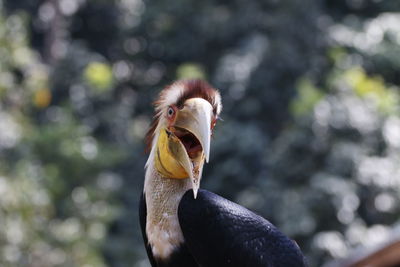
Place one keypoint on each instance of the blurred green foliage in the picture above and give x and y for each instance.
(374, 88)
(310, 137)
(307, 96)
(98, 75)
(190, 71)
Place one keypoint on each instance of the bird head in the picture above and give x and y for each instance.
(179, 138)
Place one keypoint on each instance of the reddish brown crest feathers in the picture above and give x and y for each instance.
(192, 89)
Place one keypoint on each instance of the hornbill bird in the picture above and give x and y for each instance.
(183, 226)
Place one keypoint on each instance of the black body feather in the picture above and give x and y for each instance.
(220, 233)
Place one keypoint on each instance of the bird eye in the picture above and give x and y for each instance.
(170, 111)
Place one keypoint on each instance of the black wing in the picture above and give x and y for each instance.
(221, 233)
(179, 258)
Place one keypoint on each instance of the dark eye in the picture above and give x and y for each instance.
(170, 111)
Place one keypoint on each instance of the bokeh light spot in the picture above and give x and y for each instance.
(42, 98)
(99, 76)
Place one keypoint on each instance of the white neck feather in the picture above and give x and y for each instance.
(162, 199)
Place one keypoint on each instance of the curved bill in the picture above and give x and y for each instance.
(190, 138)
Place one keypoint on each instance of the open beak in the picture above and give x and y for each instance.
(185, 145)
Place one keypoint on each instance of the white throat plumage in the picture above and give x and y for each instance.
(162, 199)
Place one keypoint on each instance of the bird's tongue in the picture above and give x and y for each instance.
(192, 145)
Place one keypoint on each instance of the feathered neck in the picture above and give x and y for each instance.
(162, 200)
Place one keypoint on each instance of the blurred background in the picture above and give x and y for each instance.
(310, 137)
